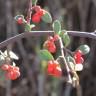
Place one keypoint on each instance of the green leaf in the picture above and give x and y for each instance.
(56, 26)
(27, 27)
(34, 2)
(47, 18)
(84, 49)
(70, 59)
(66, 39)
(71, 62)
(45, 55)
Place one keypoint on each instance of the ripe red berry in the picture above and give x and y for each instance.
(50, 46)
(36, 18)
(41, 12)
(51, 39)
(37, 8)
(51, 67)
(10, 68)
(79, 60)
(20, 20)
(54, 69)
(4, 67)
(57, 72)
(78, 57)
(16, 68)
(13, 74)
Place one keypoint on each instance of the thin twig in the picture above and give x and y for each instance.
(29, 11)
(65, 62)
(13, 39)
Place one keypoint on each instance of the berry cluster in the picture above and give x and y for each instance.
(54, 68)
(50, 43)
(78, 60)
(12, 72)
(39, 13)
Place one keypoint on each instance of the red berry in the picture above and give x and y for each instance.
(41, 12)
(50, 38)
(37, 8)
(78, 57)
(36, 18)
(17, 73)
(10, 68)
(50, 46)
(4, 67)
(16, 68)
(20, 20)
(51, 67)
(13, 75)
(57, 72)
(56, 37)
(54, 69)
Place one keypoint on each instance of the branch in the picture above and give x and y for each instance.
(36, 34)
(65, 62)
(29, 11)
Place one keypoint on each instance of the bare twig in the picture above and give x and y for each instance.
(69, 82)
(29, 11)
(13, 39)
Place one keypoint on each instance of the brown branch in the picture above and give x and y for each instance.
(36, 34)
(29, 11)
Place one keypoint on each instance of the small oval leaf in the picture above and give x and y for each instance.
(56, 26)
(47, 18)
(70, 59)
(66, 39)
(71, 62)
(34, 2)
(45, 55)
(84, 49)
(27, 27)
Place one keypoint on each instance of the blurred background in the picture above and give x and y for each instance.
(76, 15)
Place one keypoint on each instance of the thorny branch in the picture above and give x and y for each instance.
(13, 39)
